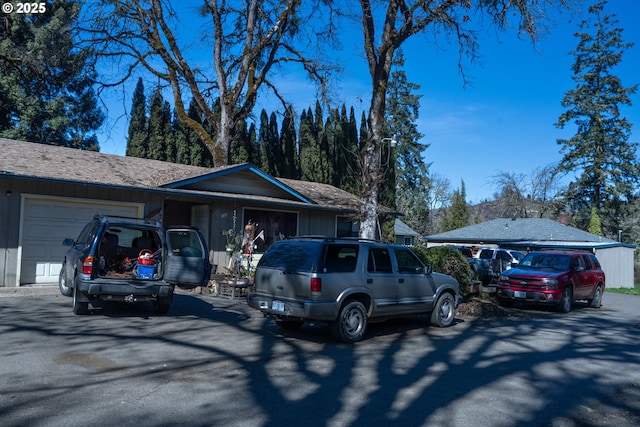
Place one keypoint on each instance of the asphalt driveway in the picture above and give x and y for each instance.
(212, 361)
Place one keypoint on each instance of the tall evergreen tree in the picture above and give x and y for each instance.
(240, 149)
(46, 92)
(600, 151)
(262, 141)
(309, 153)
(159, 128)
(181, 140)
(288, 142)
(272, 159)
(351, 174)
(410, 181)
(200, 155)
(457, 215)
(137, 135)
(327, 153)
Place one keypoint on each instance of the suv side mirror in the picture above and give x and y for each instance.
(578, 269)
(428, 269)
(68, 242)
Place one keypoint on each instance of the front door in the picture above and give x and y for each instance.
(415, 292)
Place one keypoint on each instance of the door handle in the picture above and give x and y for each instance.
(369, 281)
(400, 280)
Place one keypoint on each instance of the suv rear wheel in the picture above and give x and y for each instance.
(79, 307)
(596, 301)
(65, 289)
(351, 323)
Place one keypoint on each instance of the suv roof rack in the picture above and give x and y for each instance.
(333, 239)
(103, 217)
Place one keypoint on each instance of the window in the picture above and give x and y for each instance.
(408, 262)
(87, 233)
(275, 224)
(294, 256)
(340, 259)
(185, 243)
(347, 227)
(379, 261)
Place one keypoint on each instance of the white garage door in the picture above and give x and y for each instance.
(47, 221)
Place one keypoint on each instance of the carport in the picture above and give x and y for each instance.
(526, 234)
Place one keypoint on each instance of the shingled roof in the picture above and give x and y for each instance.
(49, 162)
(503, 230)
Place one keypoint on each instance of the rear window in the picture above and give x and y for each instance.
(291, 255)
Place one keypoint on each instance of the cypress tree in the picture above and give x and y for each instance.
(327, 157)
(156, 148)
(288, 142)
(200, 155)
(170, 139)
(138, 134)
(262, 141)
(240, 148)
(310, 163)
(180, 137)
(274, 148)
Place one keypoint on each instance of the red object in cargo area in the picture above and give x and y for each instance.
(145, 257)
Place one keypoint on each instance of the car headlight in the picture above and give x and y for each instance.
(549, 283)
(503, 279)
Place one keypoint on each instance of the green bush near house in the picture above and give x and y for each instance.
(447, 261)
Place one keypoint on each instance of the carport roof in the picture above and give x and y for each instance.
(542, 231)
(244, 181)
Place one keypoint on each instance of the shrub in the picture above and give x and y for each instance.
(447, 261)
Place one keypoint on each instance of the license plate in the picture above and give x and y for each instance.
(519, 294)
(277, 305)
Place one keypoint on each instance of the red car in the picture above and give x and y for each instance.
(553, 277)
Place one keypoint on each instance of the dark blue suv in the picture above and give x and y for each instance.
(132, 260)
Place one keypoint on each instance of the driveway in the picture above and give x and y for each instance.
(212, 361)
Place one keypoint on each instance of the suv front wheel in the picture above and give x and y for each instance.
(351, 323)
(444, 312)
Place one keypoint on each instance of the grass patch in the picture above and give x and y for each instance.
(628, 291)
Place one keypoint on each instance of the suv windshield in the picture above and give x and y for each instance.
(552, 261)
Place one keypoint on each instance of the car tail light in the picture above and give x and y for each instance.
(87, 265)
(316, 284)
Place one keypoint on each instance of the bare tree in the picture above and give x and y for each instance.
(388, 24)
(526, 196)
(248, 40)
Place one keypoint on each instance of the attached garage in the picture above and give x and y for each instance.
(46, 221)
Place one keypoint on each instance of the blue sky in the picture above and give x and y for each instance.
(503, 121)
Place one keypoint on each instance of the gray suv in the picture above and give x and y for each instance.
(132, 260)
(348, 282)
